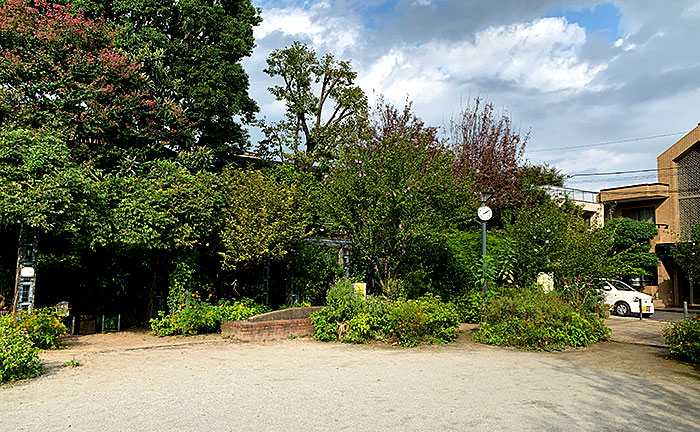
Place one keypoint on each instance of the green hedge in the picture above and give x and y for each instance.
(683, 339)
(529, 318)
(351, 318)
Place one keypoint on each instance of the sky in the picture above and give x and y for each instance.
(571, 73)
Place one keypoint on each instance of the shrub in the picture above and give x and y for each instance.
(468, 306)
(343, 304)
(683, 339)
(42, 326)
(427, 319)
(19, 359)
(582, 293)
(352, 318)
(532, 319)
(201, 317)
(238, 310)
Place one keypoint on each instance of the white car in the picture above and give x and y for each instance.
(623, 299)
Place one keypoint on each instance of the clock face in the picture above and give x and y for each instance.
(484, 213)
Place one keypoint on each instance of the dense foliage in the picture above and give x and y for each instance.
(120, 121)
(630, 240)
(19, 358)
(529, 318)
(350, 317)
(63, 72)
(683, 339)
(195, 316)
(394, 196)
(191, 52)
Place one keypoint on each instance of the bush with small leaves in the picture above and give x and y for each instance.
(351, 318)
(683, 339)
(19, 358)
(43, 327)
(197, 316)
(532, 319)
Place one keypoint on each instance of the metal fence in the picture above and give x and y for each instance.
(571, 193)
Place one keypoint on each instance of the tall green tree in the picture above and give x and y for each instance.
(325, 109)
(687, 254)
(191, 51)
(63, 72)
(631, 245)
(394, 195)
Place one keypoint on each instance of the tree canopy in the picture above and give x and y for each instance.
(394, 195)
(191, 52)
(63, 72)
(487, 147)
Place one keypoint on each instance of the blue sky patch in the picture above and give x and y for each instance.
(603, 19)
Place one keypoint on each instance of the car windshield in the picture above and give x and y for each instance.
(620, 286)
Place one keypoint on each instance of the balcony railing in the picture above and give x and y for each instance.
(571, 193)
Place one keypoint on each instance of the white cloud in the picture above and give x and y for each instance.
(693, 11)
(540, 55)
(333, 34)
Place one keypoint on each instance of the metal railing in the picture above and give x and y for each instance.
(571, 193)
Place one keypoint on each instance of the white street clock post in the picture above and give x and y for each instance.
(484, 213)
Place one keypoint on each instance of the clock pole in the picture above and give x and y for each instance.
(484, 214)
(483, 253)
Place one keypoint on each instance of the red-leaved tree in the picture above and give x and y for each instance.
(487, 148)
(63, 72)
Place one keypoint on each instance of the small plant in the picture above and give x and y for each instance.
(469, 306)
(427, 319)
(683, 339)
(73, 363)
(295, 305)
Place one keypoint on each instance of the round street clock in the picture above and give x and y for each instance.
(484, 213)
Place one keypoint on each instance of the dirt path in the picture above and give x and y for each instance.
(209, 383)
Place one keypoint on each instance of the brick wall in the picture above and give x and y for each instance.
(267, 330)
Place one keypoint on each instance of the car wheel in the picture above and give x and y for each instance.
(622, 309)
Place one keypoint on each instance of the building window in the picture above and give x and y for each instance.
(644, 214)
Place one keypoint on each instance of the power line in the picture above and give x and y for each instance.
(606, 143)
(659, 191)
(613, 180)
(620, 172)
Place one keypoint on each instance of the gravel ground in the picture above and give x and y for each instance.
(142, 384)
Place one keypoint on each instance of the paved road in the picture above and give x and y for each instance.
(671, 316)
(303, 385)
(633, 330)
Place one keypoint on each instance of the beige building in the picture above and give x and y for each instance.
(673, 204)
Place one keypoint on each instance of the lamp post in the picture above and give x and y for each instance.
(485, 213)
